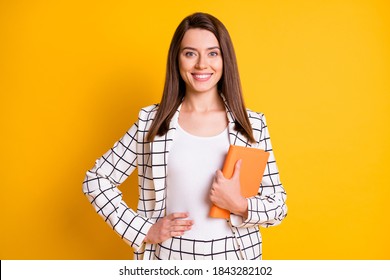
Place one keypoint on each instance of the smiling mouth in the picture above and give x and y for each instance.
(201, 77)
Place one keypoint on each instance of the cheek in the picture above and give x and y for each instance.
(219, 67)
(185, 63)
(182, 70)
(184, 66)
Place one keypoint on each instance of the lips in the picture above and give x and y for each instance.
(202, 77)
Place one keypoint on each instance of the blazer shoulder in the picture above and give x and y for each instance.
(147, 113)
(149, 109)
(257, 119)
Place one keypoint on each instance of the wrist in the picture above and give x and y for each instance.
(242, 208)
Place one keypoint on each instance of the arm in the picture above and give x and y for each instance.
(101, 187)
(268, 208)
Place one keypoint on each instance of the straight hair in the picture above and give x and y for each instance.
(229, 85)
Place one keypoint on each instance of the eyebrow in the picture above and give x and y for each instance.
(194, 49)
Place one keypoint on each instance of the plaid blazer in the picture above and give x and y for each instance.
(132, 151)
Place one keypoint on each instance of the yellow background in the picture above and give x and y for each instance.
(73, 75)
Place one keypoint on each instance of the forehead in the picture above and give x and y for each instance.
(199, 38)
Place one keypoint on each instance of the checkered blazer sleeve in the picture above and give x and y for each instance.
(268, 208)
(101, 187)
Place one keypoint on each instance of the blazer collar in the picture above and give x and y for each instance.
(235, 137)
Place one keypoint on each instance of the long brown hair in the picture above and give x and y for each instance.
(229, 84)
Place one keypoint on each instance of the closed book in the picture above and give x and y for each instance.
(253, 165)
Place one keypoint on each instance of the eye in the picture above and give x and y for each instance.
(213, 54)
(189, 54)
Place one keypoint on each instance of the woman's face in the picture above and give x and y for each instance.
(200, 61)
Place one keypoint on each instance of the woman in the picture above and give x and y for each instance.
(179, 147)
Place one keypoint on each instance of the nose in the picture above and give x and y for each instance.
(201, 63)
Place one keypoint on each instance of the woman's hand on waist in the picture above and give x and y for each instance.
(167, 227)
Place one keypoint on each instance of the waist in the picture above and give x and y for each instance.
(204, 228)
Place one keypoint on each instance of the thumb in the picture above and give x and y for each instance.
(218, 175)
(237, 169)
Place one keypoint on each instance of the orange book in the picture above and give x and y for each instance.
(251, 173)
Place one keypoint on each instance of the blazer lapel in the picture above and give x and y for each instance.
(159, 149)
(235, 137)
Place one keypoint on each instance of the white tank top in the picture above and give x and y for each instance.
(192, 163)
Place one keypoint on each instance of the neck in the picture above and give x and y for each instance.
(203, 102)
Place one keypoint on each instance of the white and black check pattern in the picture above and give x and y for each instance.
(179, 248)
(101, 183)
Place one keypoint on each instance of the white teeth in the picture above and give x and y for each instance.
(202, 76)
